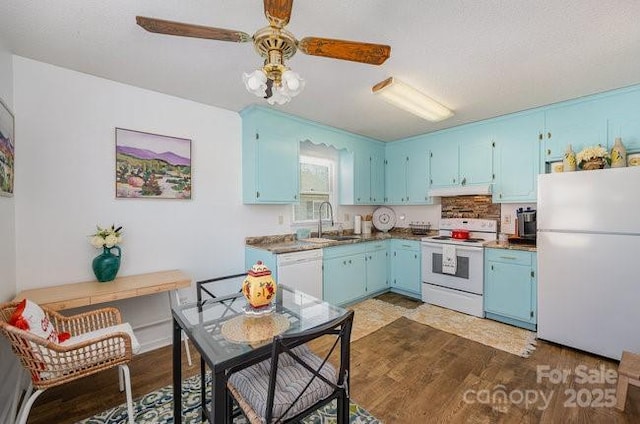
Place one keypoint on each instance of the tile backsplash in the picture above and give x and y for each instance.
(470, 207)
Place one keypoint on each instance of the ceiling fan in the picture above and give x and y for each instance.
(275, 81)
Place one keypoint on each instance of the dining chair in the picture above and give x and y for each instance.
(98, 340)
(212, 286)
(295, 381)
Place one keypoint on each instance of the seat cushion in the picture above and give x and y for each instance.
(120, 328)
(253, 384)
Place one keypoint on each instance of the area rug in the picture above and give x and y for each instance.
(157, 408)
(373, 314)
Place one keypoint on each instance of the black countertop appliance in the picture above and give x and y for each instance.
(527, 223)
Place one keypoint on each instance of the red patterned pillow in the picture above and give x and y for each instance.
(30, 317)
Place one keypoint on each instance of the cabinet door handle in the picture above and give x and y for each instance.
(295, 196)
(454, 180)
(406, 245)
(344, 262)
(508, 257)
(491, 267)
(548, 151)
(540, 136)
(349, 260)
(464, 181)
(549, 134)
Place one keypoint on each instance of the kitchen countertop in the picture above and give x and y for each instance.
(511, 246)
(288, 243)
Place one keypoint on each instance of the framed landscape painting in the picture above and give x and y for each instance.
(7, 150)
(152, 166)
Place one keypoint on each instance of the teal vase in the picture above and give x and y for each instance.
(106, 264)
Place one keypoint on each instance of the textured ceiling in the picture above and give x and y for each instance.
(480, 58)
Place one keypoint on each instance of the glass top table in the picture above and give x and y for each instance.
(227, 337)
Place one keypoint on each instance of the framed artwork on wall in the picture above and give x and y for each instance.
(7, 150)
(152, 166)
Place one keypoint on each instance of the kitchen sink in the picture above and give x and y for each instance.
(341, 238)
(327, 239)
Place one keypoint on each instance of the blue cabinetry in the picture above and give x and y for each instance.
(354, 271)
(376, 263)
(369, 170)
(510, 287)
(463, 156)
(405, 267)
(581, 124)
(270, 170)
(516, 157)
(622, 118)
(407, 173)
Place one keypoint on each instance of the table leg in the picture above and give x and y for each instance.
(177, 372)
(218, 398)
(186, 339)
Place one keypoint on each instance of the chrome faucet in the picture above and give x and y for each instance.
(320, 217)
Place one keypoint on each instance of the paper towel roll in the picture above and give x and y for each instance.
(357, 224)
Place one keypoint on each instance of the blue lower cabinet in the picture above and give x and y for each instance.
(405, 267)
(344, 279)
(510, 287)
(376, 262)
(354, 271)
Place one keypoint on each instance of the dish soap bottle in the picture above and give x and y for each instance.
(618, 154)
(569, 161)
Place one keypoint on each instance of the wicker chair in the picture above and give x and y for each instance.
(50, 364)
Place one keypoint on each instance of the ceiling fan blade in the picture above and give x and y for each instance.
(188, 30)
(278, 12)
(374, 54)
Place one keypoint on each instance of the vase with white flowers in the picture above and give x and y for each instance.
(595, 157)
(106, 265)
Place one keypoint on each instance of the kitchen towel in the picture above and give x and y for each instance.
(449, 259)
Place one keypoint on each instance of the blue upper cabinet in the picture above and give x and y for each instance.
(517, 158)
(362, 175)
(418, 173)
(270, 167)
(623, 118)
(407, 173)
(581, 124)
(396, 158)
(476, 155)
(443, 160)
(463, 156)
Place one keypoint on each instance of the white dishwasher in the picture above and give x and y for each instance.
(301, 271)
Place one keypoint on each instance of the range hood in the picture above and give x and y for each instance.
(467, 190)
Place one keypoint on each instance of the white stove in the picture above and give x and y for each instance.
(453, 269)
(480, 231)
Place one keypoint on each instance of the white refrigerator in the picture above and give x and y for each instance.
(589, 260)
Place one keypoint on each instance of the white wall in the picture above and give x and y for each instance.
(9, 368)
(65, 179)
(7, 209)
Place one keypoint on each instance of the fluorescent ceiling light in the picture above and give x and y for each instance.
(408, 98)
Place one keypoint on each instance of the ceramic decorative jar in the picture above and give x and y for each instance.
(259, 287)
(569, 162)
(618, 154)
(106, 265)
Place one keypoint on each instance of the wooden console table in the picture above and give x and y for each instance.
(87, 293)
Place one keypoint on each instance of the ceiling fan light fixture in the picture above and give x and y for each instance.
(292, 82)
(408, 98)
(256, 82)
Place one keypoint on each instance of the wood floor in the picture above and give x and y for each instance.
(407, 372)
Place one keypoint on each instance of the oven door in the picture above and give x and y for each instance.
(469, 269)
